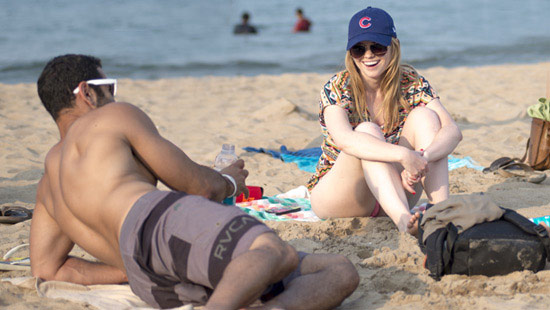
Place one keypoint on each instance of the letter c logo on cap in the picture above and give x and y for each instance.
(364, 22)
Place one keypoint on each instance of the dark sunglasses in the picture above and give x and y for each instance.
(358, 50)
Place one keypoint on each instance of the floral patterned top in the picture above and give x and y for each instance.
(337, 91)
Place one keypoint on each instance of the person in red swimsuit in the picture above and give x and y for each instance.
(302, 24)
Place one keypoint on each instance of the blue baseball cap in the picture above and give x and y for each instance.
(371, 24)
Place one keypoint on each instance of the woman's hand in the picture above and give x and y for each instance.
(408, 181)
(415, 164)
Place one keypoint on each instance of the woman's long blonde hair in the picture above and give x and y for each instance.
(390, 86)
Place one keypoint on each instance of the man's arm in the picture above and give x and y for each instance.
(49, 252)
(168, 162)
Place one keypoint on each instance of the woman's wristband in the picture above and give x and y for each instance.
(232, 181)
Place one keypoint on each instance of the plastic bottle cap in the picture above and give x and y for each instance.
(228, 147)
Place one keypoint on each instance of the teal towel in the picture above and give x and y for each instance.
(307, 159)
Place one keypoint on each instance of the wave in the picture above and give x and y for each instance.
(22, 66)
(526, 50)
(191, 66)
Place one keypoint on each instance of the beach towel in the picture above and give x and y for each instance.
(296, 200)
(103, 297)
(261, 209)
(307, 159)
(468, 162)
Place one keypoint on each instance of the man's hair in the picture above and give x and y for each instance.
(299, 11)
(61, 76)
(245, 16)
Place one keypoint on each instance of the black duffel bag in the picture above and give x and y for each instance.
(511, 243)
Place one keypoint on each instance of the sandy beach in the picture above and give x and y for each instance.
(200, 114)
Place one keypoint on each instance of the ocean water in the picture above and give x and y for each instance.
(147, 39)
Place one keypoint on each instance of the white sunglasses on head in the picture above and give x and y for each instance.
(99, 82)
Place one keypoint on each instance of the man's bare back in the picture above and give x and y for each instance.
(97, 182)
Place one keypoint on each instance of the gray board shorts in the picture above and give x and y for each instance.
(175, 247)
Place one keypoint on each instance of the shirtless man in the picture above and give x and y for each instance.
(99, 191)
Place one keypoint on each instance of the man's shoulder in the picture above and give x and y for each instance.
(42, 189)
(110, 119)
(51, 156)
(114, 112)
(118, 107)
(51, 164)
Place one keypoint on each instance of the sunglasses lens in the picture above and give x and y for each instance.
(378, 49)
(357, 51)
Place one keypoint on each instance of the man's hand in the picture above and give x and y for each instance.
(237, 171)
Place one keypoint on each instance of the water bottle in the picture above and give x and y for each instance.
(225, 158)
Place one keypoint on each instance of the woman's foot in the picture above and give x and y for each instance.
(412, 225)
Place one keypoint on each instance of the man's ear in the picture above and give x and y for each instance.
(87, 94)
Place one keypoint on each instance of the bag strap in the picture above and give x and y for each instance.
(452, 235)
(524, 157)
(529, 227)
(421, 244)
(435, 251)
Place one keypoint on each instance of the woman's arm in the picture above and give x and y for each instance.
(448, 137)
(366, 146)
(359, 144)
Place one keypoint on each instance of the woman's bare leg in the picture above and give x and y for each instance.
(352, 187)
(421, 127)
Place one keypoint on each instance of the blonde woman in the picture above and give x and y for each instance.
(386, 134)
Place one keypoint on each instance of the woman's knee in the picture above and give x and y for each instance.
(370, 128)
(425, 117)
